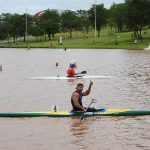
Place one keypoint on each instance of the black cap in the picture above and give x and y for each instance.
(80, 84)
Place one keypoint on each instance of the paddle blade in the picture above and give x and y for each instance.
(83, 72)
(82, 117)
(93, 100)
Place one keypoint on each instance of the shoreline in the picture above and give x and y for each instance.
(70, 48)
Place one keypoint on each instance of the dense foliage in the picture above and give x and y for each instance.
(132, 15)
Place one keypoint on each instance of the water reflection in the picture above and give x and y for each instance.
(79, 130)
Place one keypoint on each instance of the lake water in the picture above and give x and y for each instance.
(129, 89)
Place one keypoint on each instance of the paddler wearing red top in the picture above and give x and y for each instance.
(71, 71)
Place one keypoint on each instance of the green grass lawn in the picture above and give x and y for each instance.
(124, 40)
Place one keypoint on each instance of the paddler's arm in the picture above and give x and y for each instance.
(87, 92)
(75, 98)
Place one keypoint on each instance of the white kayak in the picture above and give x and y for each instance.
(75, 77)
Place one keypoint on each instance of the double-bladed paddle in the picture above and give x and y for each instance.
(83, 114)
(82, 72)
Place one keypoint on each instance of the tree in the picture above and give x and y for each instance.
(50, 22)
(117, 16)
(14, 22)
(15, 25)
(35, 30)
(69, 21)
(3, 32)
(4, 26)
(84, 20)
(101, 15)
(138, 15)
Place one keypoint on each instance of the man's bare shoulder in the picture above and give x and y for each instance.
(75, 94)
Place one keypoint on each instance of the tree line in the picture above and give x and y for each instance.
(132, 15)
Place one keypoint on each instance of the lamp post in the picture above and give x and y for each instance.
(95, 16)
(26, 30)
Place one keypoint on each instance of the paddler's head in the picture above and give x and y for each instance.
(79, 87)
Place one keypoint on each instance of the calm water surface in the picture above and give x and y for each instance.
(129, 89)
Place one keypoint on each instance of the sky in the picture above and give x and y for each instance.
(33, 6)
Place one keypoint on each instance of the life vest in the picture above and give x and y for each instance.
(70, 72)
(79, 101)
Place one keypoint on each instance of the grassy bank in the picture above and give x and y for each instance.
(81, 40)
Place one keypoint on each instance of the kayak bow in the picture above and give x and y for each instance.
(100, 112)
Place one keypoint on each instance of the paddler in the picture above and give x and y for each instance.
(76, 98)
(71, 69)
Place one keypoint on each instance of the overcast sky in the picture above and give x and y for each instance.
(33, 6)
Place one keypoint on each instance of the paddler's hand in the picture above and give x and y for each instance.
(84, 110)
